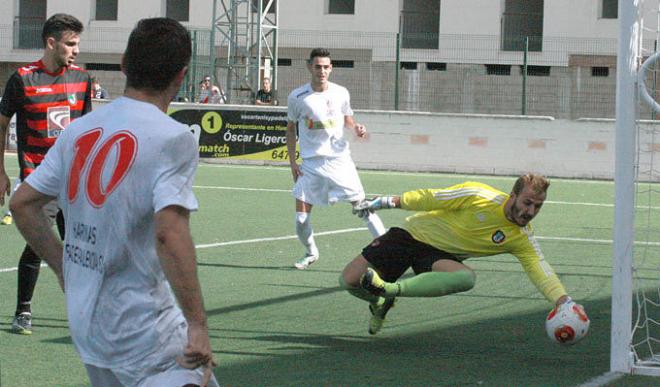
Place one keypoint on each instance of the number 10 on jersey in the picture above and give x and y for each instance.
(89, 162)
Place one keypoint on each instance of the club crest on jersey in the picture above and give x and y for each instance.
(498, 237)
(72, 99)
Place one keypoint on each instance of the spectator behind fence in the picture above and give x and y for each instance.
(265, 94)
(218, 95)
(204, 90)
(98, 91)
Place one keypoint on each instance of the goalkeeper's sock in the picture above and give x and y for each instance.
(305, 233)
(431, 284)
(359, 292)
(374, 224)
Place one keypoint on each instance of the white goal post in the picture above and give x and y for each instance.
(635, 335)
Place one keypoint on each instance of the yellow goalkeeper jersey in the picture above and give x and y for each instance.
(468, 220)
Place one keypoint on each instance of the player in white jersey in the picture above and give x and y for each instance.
(320, 110)
(123, 178)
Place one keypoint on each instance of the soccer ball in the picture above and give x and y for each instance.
(567, 323)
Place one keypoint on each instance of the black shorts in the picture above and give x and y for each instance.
(394, 252)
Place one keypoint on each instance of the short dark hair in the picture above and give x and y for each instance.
(318, 52)
(59, 23)
(158, 48)
(538, 183)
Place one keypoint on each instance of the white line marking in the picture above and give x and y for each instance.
(375, 194)
(602, 380)
(15, 268)
(209, 245)
(242, 188)
(284, 167)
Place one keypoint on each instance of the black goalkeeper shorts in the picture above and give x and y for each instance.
(394, 252)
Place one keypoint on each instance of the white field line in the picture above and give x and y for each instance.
(284, 167)
(346, 230)
(376, 194)
(602, 380)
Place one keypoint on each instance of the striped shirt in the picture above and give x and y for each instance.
(468, 220)
(44, 103)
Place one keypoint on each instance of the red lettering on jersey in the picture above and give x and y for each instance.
(126, 147)
(82, 147)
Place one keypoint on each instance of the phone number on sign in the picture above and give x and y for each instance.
(283, 155)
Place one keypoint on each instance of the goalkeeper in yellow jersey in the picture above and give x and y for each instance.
(451, 225)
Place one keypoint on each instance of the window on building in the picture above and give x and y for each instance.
(498, 69)
(106, 10)
(102, 67)
(341, 7)
(610, 9)
(264, 4)
(409, 65)
(436, 66)
(347, 64)
(420, 24)
(28, 24)
(522, 19)
(536, 71)
(284, 61)
(600, 71)
(178, 10)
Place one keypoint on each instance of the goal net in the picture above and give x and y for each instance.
(636, 262)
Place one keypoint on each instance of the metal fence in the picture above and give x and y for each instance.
(567, 78)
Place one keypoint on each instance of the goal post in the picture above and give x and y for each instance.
(635, 330)
(626, 73)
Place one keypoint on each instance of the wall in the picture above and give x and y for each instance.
(489, 144)
(486, 144)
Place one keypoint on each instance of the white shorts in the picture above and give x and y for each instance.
(328, 180)
(155, 370)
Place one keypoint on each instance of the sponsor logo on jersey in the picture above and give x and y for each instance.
(481, 216)
(72, 99)
(58, 119)
(498, 237)
(43, 90)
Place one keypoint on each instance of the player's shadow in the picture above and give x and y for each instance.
(37, 323)
(507, 351)
(262, 267)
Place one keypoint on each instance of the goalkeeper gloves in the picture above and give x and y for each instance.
(366, 206)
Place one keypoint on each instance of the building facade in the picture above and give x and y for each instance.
(553, 58)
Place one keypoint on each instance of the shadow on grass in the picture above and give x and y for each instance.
(510, 351)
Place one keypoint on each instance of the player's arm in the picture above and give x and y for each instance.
(176, 251)
(5, 183)
(11, 102)
(359, 129)
(291, 148)
(540, 273)
(26, 206)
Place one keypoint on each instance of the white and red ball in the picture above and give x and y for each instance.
(567, 323)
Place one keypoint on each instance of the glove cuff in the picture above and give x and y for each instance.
(387, 202)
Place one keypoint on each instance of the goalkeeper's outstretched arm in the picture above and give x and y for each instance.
(378, 203)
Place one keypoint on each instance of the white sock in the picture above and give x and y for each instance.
(305, 233)
(374, 224)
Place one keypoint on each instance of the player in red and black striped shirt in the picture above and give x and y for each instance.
(45, 96)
